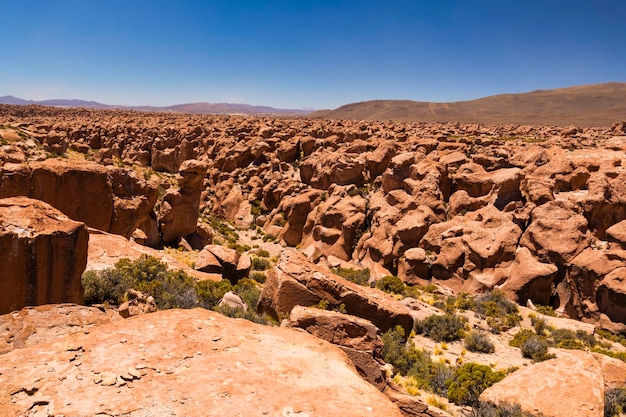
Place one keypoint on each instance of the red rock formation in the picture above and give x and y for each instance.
(45, 254)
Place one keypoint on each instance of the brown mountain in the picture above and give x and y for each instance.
(587, 105)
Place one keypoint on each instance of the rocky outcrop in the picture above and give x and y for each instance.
(45, 254)
(358, 338)
(32, 325)
(296, 281)
(124, 200)
(571, 385)
(179, 211)
(172, 369)
(373, 193)
(216, 259)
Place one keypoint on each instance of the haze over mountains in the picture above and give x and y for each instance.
(587, 105)
(192, 108)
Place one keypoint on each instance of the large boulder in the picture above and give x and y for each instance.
(179, 212)
(45, 254)
(295, 281)
(186, 363)
(357, 337)
(529, 279)
(571, 385)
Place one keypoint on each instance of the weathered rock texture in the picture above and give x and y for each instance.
(186, 363)
(44, 253)
(570, 385)
(358, 338)
(529, 209)
(297, 282)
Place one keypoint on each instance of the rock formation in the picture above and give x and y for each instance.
(185, 365)
(45, 254)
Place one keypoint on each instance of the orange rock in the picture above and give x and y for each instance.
(45, 254)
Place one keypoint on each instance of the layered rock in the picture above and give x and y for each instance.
(45, 254)
(295, 281)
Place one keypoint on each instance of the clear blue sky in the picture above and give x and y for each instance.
(297, 53)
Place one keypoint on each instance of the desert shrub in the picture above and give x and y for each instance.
(469, 381)
(495, 304)
(173, 289)
(391, 284)
(269, 238)
(542, 328)
(262, 253)
(536, 348)
(170, 288)
(546, 310)
(501, 312)
(416, 363)
(613, 337)
(105, 286)
(210, 293)
(617, 355)
(259, 277)
(476, 341)
(568, 339)
(462, 301)
(358, 276)
(484, 409)
(249, 292)
(442, 328)
(261, 264)
(614, 402)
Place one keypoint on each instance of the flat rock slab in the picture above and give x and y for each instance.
(571, 385)
(186, 363)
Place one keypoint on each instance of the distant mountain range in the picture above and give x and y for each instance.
(587, 105)
(194, 108)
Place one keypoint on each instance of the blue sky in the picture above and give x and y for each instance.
(297, 53)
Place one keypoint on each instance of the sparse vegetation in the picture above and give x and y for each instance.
(442, 328)
(614, 402)
(261, 264)
(391, 284)
(483, 409)
(358, 276)
(470, 380)
(477, 341)
(170, 288)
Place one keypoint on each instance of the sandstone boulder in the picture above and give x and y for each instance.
(357, 337)
(190, 362)
(45, 254)
(569, 386)
(529, 279)
(295, 281)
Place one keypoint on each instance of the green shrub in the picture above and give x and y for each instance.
(520, 337)
(463, 301)
(409, 361)
(469, 381)
(358, 276)
(495, 304)
(476, 341)
(484, 409)
(614, 402)
(391, 284)
(105, 286)
(170, 288)
(546, 310)
(261, 264)
(568, 339)
(540, 325)
(259, 277)
(210, 293)
(536, 348)
(442, 328)
(269, 238)
(262, 253)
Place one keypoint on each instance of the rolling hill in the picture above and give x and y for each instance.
(587, 105)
